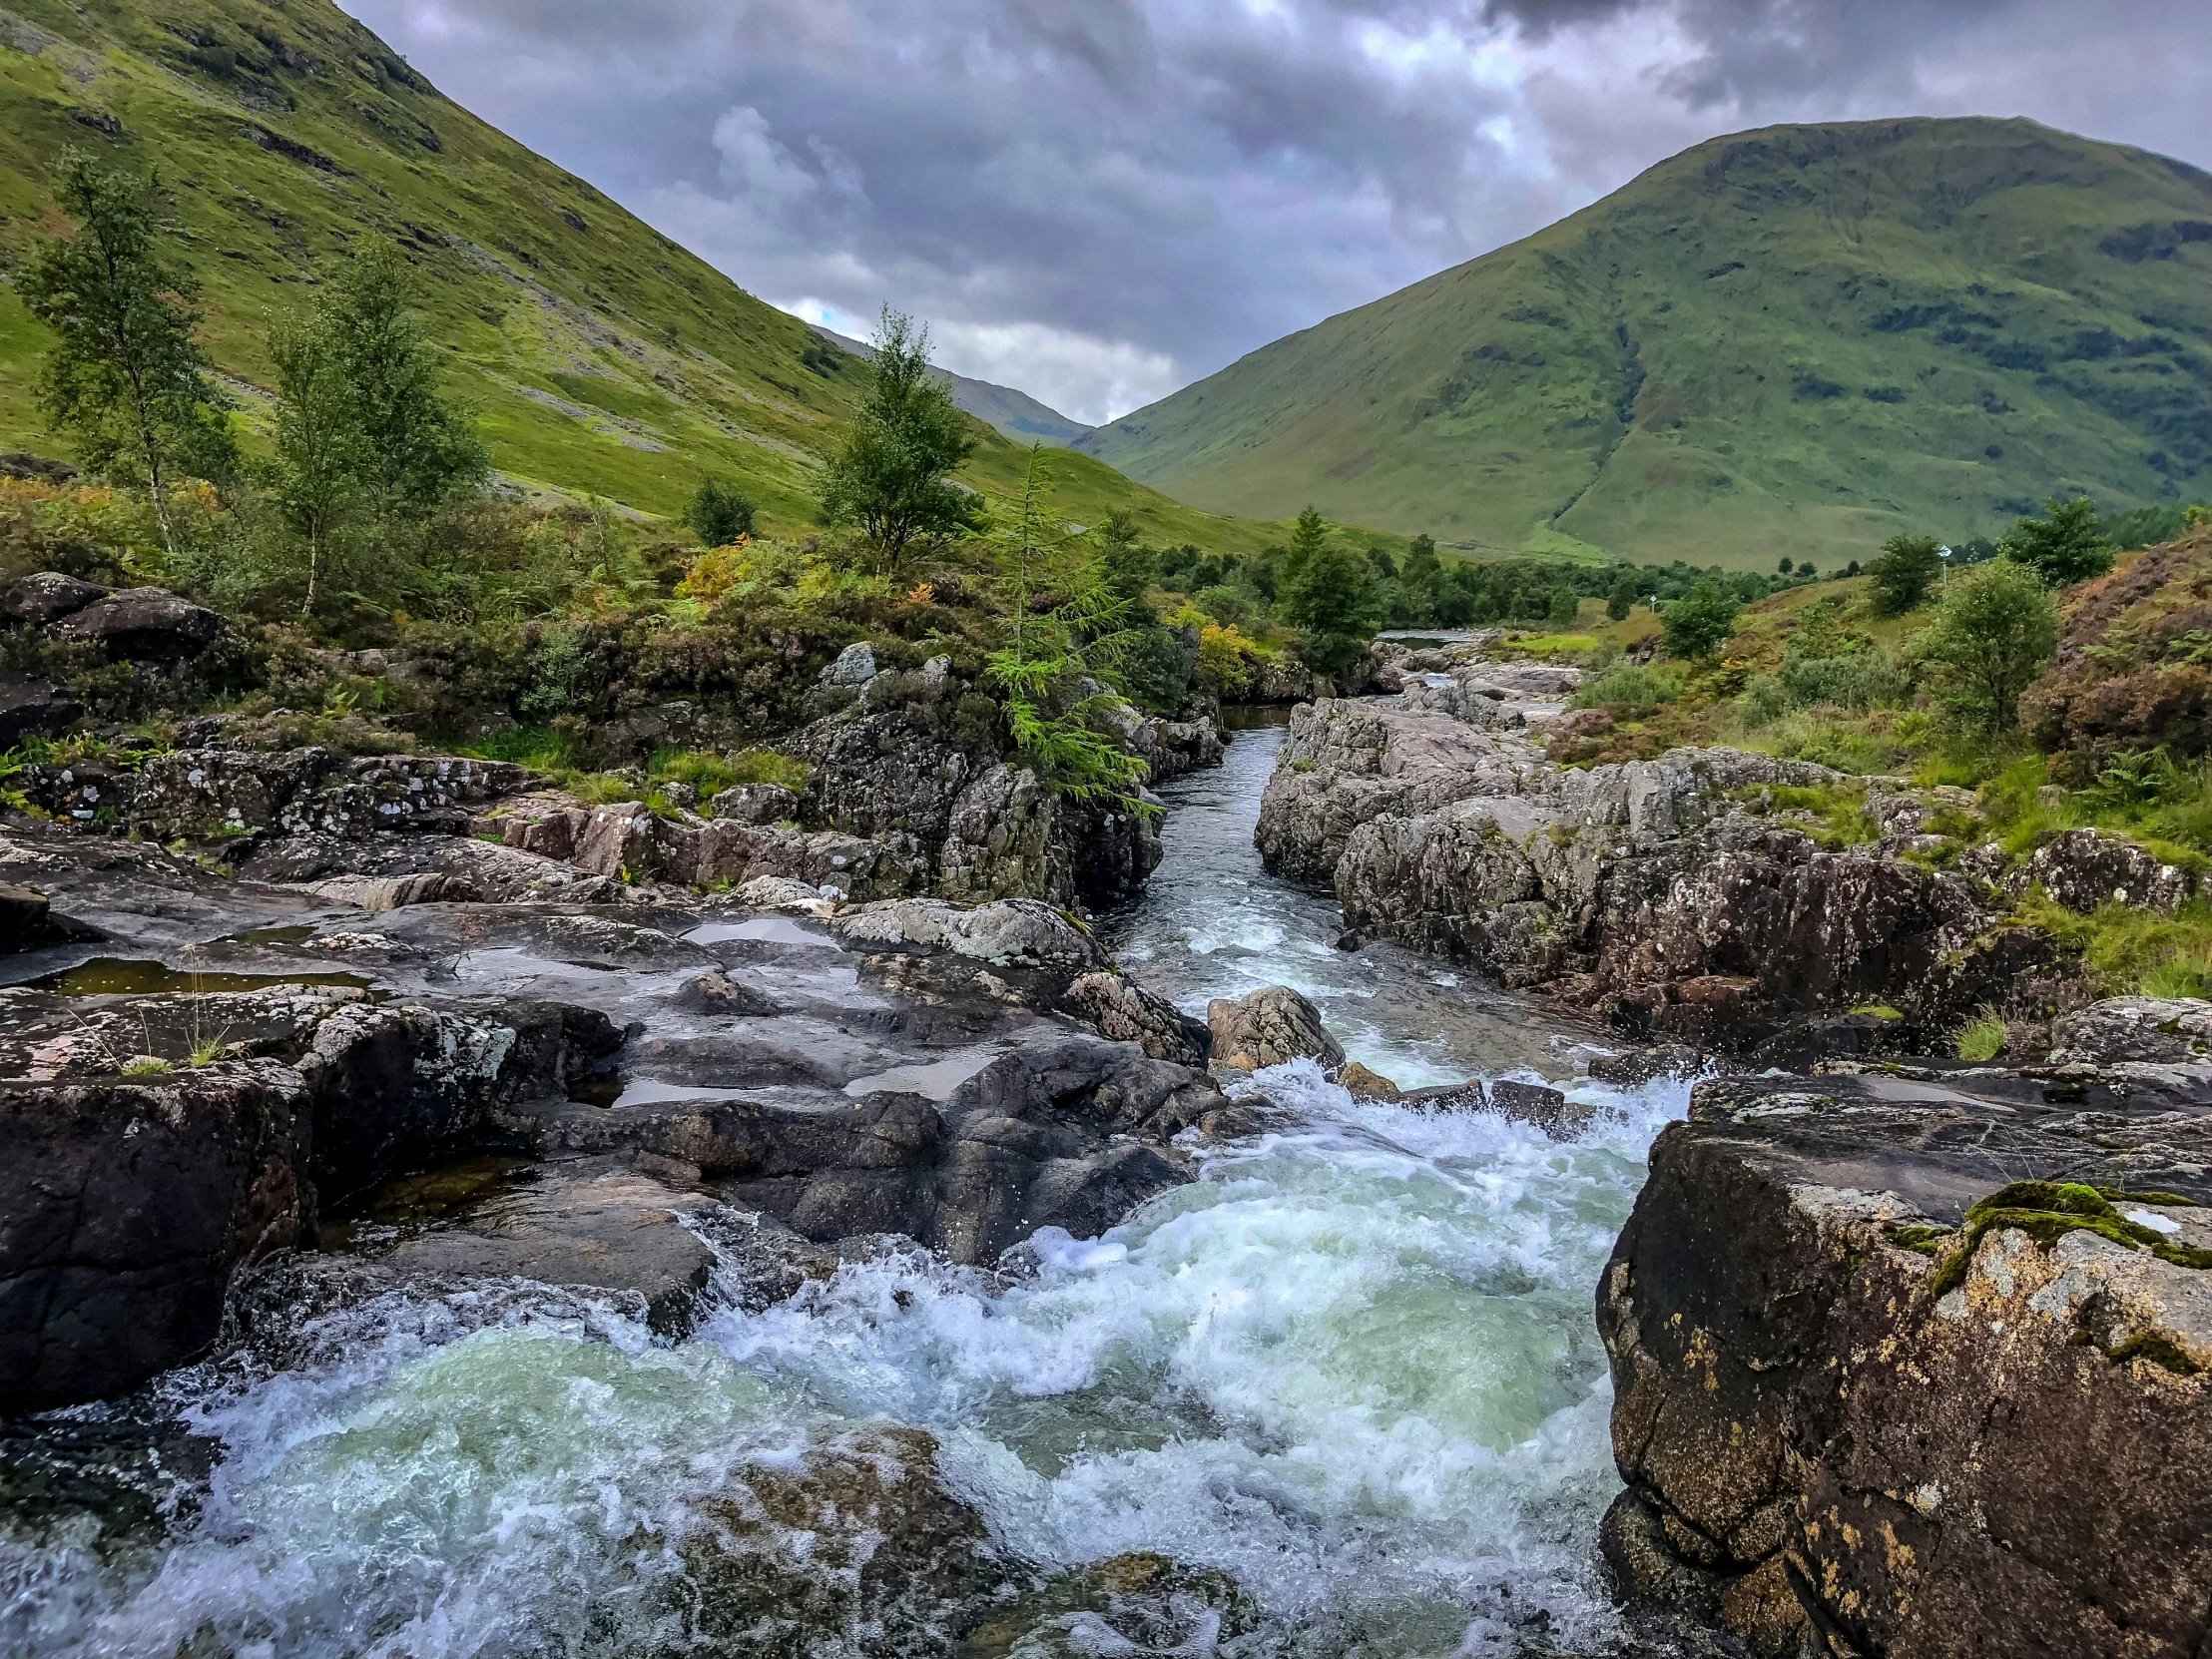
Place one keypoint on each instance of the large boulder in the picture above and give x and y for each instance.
(144, 621)
(1873, 1392)
(1269, 1027)
(47, 597)
(125, 1205)
(2083, 871)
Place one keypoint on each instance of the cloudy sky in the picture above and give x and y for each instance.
(1100, 201)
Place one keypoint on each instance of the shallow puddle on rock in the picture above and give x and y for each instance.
(934, 1080)
(125, 976)
(761, 930)
(409, 1203)
(299, 934)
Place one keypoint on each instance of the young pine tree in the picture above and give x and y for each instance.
(125, 374)
(892, 477)
(415, 448)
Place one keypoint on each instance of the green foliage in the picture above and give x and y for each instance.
(1620, 599)
(1696, 625)
(1232, 607)
(1054, 657)
(2148, 526)
(1991, 636)
(1903, 572)
(719, 513)
(892, 477)
(1563, 608)
(126, 373)
(1626, 688)
(314, 475)
(1331, 601)
(415, 450)
(1982, 1040)
(2066, 547)
(710, 773)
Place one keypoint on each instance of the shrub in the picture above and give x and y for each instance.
(2065, 548)
(1861, 681)
(719, 513)
(1629, 688)
(1903, 572)
(1991, 636)
(1695, 626)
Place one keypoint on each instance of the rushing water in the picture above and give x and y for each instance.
(1353, 1367)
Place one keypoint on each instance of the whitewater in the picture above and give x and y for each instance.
(1353, 1367)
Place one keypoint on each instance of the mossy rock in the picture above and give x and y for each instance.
(2048, 1210)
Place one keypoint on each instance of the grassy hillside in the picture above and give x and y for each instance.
(1795, 341)
(601, 356)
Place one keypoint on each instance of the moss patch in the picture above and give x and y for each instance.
(2048, 1210)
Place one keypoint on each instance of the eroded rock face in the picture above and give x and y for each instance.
(1125, 1011)
(1848, 1416)
(1655, 893)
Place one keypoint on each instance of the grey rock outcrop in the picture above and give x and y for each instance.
(1124, 1011)
(1269, 1027)
(1876, 1394)
(31, 707)
(144, 621)
(47, 597)
(855, 665)
(2082, 869)
(1659, 894)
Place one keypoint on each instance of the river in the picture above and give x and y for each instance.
(1353, 1367)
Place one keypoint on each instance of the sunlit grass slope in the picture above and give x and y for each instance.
(600, 356)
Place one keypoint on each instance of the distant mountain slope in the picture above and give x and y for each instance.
(600, 356)
(1015, 413)
(1795, 340)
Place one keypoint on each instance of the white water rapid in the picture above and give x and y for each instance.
(1353, 1367)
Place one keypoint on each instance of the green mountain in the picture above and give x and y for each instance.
(1014, 413)
(1796, 341)
(600, 356)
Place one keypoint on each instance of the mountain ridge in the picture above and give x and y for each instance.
(599, 355)
(1013, 411)
(1621, 381)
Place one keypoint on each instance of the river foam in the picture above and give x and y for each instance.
(1353, 1367)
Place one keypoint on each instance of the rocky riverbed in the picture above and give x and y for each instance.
(444, 1215)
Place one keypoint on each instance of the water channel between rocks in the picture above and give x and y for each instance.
(1353, 1367)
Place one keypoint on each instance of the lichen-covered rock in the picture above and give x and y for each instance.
(754, 804)
(1008, 932)
(2163, 1032)
(125, 1204)
(48, 596)
(1126, 1012)
(1873, 1392)
(144, 621)
(855, 665)
(1269, 1027)
(1655, 893)
(211, 792)
(2084, 869)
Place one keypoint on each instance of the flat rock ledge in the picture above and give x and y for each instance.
(1918, 1362)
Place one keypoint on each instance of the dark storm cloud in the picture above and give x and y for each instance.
(1099, 200)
